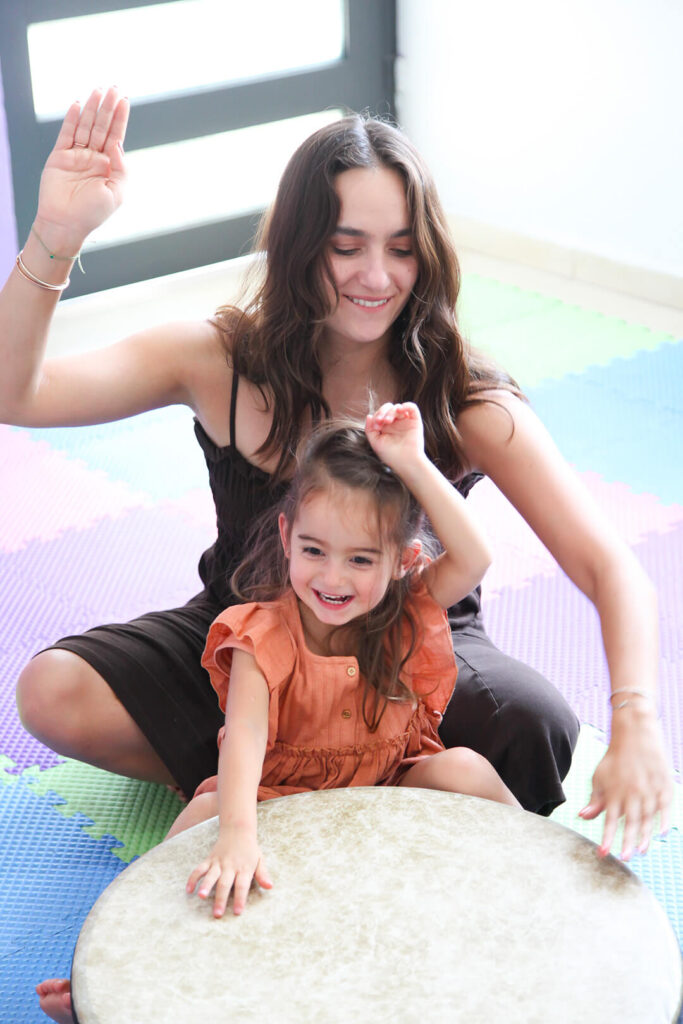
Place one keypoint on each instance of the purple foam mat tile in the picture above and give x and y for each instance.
(551, 626)
(661, 555)
(116, 569)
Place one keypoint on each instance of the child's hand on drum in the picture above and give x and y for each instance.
(232, 864)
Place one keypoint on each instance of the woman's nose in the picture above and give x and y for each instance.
(374, 273)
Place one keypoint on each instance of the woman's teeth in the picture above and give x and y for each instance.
(369, 303)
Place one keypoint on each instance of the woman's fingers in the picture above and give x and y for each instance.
(103, 120)
(87, 120)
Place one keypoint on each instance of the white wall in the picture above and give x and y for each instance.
(560, 120)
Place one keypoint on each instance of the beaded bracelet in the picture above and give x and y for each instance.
(54, 256)
(25, 272)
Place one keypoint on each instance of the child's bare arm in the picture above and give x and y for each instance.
(395, 433)
(235, 858)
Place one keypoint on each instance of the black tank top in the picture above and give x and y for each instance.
(241, 492)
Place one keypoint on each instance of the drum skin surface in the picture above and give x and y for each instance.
(388, 905)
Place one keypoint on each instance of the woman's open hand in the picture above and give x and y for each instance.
(632, 781)
(232, 864)
(82, 182)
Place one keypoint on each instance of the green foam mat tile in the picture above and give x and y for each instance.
(485, 303)
(137, 814)
(553, 341)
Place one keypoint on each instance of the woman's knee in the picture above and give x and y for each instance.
(50, 691)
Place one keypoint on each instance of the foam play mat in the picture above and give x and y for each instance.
(103, 523)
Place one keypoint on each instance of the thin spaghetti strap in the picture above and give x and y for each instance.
(233, 407)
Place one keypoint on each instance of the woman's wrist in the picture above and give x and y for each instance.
(60, 243)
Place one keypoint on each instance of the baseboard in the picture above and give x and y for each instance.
(639, 282)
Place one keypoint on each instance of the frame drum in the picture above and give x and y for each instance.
(388, 905)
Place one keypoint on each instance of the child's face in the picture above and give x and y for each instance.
(339, 567)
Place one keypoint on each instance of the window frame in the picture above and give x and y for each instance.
(363, 79)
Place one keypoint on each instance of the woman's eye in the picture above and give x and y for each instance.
(403, 252)
(343, 252)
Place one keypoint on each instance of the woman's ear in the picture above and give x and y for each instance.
(410, 555)
(284, 533)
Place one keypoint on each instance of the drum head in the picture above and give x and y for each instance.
(388, 905)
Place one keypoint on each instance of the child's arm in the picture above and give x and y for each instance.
(396, 434)
(236, 859)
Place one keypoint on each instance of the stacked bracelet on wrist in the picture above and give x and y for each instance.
(25, 272)
(625, 703)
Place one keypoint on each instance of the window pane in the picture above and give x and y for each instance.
(207, 179)
(172, 48)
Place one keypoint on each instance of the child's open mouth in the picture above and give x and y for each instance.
(332, 600)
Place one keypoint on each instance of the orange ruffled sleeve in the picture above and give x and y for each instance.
(431, 669)
(261, 630)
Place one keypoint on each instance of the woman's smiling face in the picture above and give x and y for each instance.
(371, 256)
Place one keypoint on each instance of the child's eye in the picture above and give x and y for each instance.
(313, 551)
(361, 560)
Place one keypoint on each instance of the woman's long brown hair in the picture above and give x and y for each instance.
(338, 454)
(275, 341)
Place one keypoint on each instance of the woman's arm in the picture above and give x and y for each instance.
(235, 858)
(506, 441)
(80, 187)
(396, 434)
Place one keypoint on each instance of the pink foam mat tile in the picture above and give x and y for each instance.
(51, 492)
(518, 553)
(198, 509)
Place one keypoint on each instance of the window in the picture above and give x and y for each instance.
(222, 92)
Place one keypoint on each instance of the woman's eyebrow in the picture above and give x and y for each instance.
(357, 233)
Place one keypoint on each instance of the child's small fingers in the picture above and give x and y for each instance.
(196, 875)
(223, 888)
(242, 886)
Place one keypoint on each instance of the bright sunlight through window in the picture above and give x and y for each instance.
(166, 49)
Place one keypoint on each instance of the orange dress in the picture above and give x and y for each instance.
(317, 737)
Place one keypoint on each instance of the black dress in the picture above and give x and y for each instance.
(501, 707)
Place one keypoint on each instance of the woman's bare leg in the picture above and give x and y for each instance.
(69, 707)
(460, 770)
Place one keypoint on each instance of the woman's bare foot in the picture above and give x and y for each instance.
(55, 999)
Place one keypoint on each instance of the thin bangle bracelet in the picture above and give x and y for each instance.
(26, 273)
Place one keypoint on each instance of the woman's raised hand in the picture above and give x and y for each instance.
(83, 178)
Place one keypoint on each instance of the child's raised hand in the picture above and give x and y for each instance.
(232, 864)
(396, 434)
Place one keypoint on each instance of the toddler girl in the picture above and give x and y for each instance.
(338, 671)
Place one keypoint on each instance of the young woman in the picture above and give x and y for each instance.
(359, 293)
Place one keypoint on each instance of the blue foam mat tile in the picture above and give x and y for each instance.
(653, 377)
(155, 453)
(50, 870)
(45, 956)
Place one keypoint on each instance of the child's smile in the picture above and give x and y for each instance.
(339, 566)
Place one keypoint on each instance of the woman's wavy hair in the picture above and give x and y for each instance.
(337, 454)
(275, 340)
